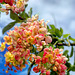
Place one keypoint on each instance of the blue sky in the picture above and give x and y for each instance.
(59, 12)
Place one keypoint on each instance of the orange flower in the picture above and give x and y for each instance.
(2, 46)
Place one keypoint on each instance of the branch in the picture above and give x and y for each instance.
(64, 44)
(29, 69)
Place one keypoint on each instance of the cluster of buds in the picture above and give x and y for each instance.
(51, 60)
(22, 39)
(16, 7)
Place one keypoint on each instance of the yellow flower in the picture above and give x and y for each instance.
(19, 3)
(2, 46)
(30, 39)
(9, 57)
(28, 33)
(49, 56)
(8, 40)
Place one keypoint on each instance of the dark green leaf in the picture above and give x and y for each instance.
(68, 73)
(73, 68)
(24, 15)
(23, 61)
(14, 16)
(65, 35)
(53, 73)
(71, 54)
(68, 57)
(58, 32)
(68, 65)
(30, 12)
(70, 38)
(9, 26)
(26, 5)
(65, 52)
(74, 57)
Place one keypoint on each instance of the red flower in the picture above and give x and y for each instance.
(10, 2)
(17, 57)
(48, 73)
(35, 69)
(15, 71)
(10, 66)
(10, 48)
(17, 67)
(1, 1)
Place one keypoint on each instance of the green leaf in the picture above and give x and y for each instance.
(24, 15)
(68, 73)
(65, 52)
(23, 61)
(68, 65)
(30, 12)
(68, 57)
(47, 27)
(60, 47)
(61, 30)
(65, 35)
(73, 68)
(14, 16)
(74, 57)
(58, 32)
(26, 5)
(9, 26)
(3, 2)
(53, 73)
(70, 38)
(41, 54)
(52, 27)
(72, 49)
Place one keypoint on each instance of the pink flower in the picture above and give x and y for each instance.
(43, 31)
(63, 67)
(48, 39)
(43, 70)
(47, 72)
(46, 49)
(59, 60)
(44, 53)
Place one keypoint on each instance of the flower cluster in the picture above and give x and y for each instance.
(52, 60)
(10, 2)
(22, 39)
(16, 7)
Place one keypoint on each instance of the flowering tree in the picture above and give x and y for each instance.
(34, 42)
